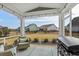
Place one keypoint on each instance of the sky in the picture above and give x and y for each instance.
(11, 21)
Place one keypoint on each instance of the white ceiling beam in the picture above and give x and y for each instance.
(68, 7)
(43, 15)
(66, 17)
(55, 5)
(10, 10)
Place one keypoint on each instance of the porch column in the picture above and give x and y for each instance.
(61, 24)
(22, 26)
(70, 22)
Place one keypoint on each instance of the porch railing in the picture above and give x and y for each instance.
(4, 39)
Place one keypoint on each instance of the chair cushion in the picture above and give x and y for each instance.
(22, 40)
(23, 43)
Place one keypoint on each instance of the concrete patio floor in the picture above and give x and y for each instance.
(39, 50)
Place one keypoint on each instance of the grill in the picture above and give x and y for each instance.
(68, 46)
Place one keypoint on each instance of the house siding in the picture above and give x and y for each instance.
(52, 28)
(74, 28)
(32, 27)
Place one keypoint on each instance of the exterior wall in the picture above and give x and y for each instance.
(43, 28)
(74, 28)
(52, 28)
(33, 28)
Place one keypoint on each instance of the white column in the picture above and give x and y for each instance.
(22, 26)
(70, 22)
(61, 24)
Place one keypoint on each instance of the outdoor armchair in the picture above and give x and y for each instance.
(22, 43)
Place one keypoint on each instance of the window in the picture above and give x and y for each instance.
(74, 23)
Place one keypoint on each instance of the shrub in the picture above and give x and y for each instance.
(29, 39)
(0, 33)
(6, 31)
(45, 40)
(54, 40)
(35, 39)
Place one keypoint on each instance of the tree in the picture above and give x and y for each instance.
(0, 33)
(5, 31)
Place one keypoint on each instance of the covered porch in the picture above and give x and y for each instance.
(29, 10)
(39, 50)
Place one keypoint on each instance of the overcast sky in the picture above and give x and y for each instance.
(8, 20)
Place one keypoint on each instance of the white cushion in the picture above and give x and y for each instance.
(1, 48)
(23, 40)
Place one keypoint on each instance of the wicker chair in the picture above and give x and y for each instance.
(7, 51)
(22, 43)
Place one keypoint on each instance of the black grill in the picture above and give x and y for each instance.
(68, 46)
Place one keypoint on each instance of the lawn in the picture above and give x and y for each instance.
(42, 36)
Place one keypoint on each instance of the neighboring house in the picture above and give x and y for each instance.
(75, 25)
(32, 27)
(49, 27)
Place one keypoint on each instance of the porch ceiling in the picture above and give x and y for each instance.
(35, 9)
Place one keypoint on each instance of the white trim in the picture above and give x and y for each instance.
(61, 24)
(68, 7)
(10, 37)
(70, 22)
(3, 7)
(66, 17)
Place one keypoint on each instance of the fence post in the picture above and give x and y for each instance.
(4, 41)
